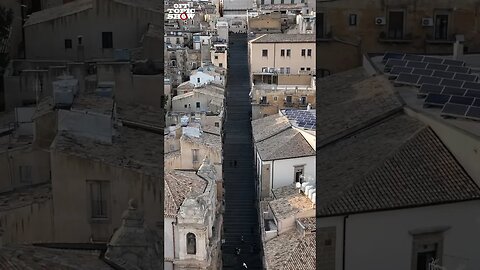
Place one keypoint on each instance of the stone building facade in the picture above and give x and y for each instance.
(348, 29)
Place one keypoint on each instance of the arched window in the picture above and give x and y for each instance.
(191, 243)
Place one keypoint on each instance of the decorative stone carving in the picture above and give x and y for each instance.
(133, 245)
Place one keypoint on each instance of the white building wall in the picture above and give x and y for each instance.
(381, 240)
(284, 170)
(168, 243)
(204, 79)
(336, 222)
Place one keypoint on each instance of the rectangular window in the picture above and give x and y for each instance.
(98, 192)
(195, 155)
(68, 43)
(262, 2)
(309, 52)
(198, 80)
(282, 70)
(216, 57)
(265, 53)
(441, 26)
(289, 99)
(220, 64)
(217, 124)
(302, 68)
(304, 100)
(197, 104)
(287, 70)
(395, 24)
(282, 52)
(178, 40)
(308, 69)
(80, 40)
(107, 40)
(303, 52)
(427, 250)
(25, 174)
(288, 52)
(292, 2)
(282, 1)
(352, 19)
(275, 98)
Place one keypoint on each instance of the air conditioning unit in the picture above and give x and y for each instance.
(427, 22)
(380, 21)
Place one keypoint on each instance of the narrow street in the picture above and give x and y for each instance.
(241, 214)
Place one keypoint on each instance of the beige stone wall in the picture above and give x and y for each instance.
(275, 60)
(72, 219)
(337, 56)
(294, 79)
(221, 60)
(107, 16)
(269, 22)
(28, 223)
(45, 130)
(36, 160)
(214, 154)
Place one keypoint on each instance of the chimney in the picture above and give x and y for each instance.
(458, 47)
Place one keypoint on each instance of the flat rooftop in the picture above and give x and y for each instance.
(125, 151)
(288, 202)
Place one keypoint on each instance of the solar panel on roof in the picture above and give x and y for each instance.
(476, 102)
(453, 91)
(472, 93)
(437, 66)
(413, 57)
(416, 64)
(465, 77)
(429, 80)
(458, 69)
(408, 79)
(461, 100)
(473, 113)
(471, 85)
(436, 100)
(443, 74)
(396, 63)
(397, 70)
(430, 88)
(454, 109)
(433, 60)
(452, 83)
(422, 71)
(453, 62)
(392, 55)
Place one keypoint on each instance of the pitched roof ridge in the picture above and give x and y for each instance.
(374, 167)
(275, 134)
(415, 136)
(352, 131)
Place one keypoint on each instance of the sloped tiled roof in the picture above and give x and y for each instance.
(286, 144)
(396, 164)
(285, 38)
(350, 100)
(33, 258)
(266, 127)
(291, 251)
(178, 185)
(59, 11)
